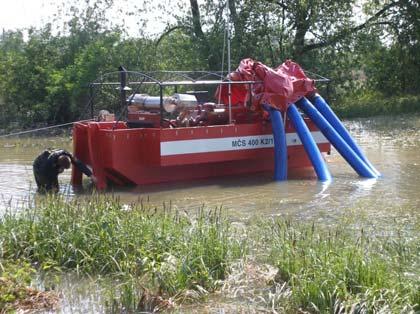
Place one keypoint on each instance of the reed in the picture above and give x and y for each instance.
(339, 270)
(170, 250)
(159, 257)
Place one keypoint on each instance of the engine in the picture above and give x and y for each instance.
(183, 110)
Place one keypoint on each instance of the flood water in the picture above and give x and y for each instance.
(392, 144)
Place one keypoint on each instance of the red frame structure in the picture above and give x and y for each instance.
(121, 155)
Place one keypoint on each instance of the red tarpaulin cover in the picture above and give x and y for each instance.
(280, 87)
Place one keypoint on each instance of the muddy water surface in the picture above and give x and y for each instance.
(391, 143)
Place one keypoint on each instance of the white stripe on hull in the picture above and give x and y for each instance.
(210, 145)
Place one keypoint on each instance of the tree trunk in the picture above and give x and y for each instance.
(195, 11)
(205, 47)
(302, 27)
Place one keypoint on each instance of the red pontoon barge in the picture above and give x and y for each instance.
(184, 133)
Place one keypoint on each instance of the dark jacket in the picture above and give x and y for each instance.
(46, 169)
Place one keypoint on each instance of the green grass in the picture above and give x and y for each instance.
(14, 277)
(160, 257)
(373, 104)
(163, 252)
(328, 269)
(15, 293)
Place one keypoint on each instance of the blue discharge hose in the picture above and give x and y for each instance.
(335, 139)
(309, 144)
(335, 122)
(280, 145)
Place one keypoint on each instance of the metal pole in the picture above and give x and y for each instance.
(123, 84)
(228, 61)
(91, 100)
(161, 104)
(249, 103)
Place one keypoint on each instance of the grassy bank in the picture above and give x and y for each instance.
(162, 252)
(374, 104)
(15, 293)
(163, 258)
(342, 270)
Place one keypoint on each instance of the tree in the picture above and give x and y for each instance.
(275, 29)
(389, 51)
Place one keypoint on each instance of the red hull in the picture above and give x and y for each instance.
(153, 155)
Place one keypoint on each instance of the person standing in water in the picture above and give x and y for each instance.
(50, 163)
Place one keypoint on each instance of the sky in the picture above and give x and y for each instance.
(18, 14)
(24, 13)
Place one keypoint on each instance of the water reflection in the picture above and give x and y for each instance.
(87, 296)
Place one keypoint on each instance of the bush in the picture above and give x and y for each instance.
(373, 103)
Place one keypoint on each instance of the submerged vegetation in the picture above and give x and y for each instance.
(15, 276)
(163, 258)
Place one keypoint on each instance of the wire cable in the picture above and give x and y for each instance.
(44, 128)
